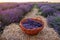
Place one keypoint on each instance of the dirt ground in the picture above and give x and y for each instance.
(13, 31)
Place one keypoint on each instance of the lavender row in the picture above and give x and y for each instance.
(10, 13)
(54, 22)
(49, 9)
(52, 13)
(15, 14)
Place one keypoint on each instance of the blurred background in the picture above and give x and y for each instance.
(29, 1)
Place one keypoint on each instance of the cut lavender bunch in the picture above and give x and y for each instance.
(30, 24)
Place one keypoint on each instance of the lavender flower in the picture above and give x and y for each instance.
(5, 6)
(57, 13)
(26, 7)
(54, 22)
(12, 15)
(47, 11)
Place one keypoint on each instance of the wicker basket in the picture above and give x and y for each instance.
(34, 30)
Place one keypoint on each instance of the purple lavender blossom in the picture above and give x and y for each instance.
(12, 15)
(57, 13)
(47, 11)
(26, 7)
(54, 22)
(30, 24)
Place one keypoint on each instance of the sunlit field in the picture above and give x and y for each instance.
(11, 15)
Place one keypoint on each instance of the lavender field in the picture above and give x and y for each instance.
(12, 13)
